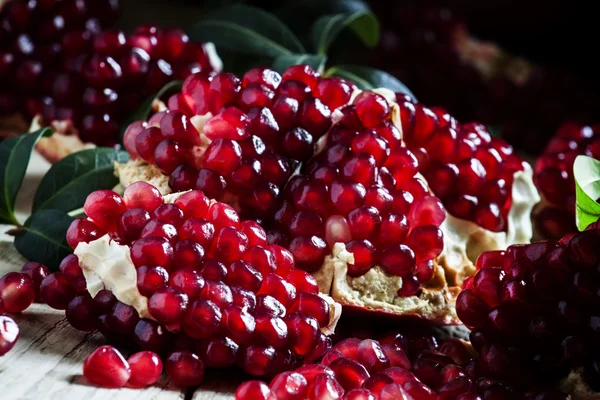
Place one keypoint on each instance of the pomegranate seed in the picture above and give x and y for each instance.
(81, 313)
(146, 368)
(289, 385)
(104, 207)
(56, 291)
(168, 305)
(253, 390)
(184, 368)
(17, 291)
(106, 367)
(142, 195)
(9, 333)
(325, 387)
(83, 230)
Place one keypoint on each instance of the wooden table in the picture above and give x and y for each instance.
(46, 362)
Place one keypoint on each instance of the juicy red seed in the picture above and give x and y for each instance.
(156, 228)
(142, 195)
(302, 281)
(223, 156)
(314, 116)
(106, 367)
(364, 257)
(150, 279)
(37, 272)
(56, 291)
(202, 318)
(217, 292)
(168, 305)
(266, 304)
(470, 309)
(230, 244)
(301, 73)
(309, 252)
(194, 204)
(255, 95)
(359, 394)
(198, 230)
(104, 207)
(147, 141)
(220, 352)
(349, 373)
(9, 333)
(83, 230)
(371, 108)
(325, 387)
(69, 266)
(314, 306)
(252, 390)
(131, 224)
(176, 126)
(170, 214)
(168, 155)
(398, 260)
(364, 222)
(146, 367)
(152, 251)
(289, 385)
(303, 332)
(184, 368)
(238, 324)
(371, 355)
(263, 76)
(393, 229)
(347, 195)
(334, 92)
(245, 275)
(213, 270)
(17, 290)
(427, 211)
(223, 215)
(258, 360)
(426, 241)
(188, 280)
(271, 330)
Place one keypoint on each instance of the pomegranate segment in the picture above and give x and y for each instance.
(555, 216)
(58, 61)
(237, 140)
(205, 295)
(471, 171)
(533, 310)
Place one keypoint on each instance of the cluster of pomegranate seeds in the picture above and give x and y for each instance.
(534, 309)
(361, 189)
(468, 169)
(554, 177)
(396, 367)
(260, 127)
(57, 60)
(218, 292)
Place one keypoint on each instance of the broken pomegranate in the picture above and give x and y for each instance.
(59, 62)
(555, 216)
(237, 139)
(192, 280)
(533, 311)
(106, 367)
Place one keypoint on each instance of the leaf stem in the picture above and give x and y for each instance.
(76, 213)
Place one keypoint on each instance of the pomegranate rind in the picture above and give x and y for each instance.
(575, 386)
(464, 240)
(138, 170)
(377, 290)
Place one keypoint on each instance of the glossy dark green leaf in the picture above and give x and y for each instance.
(369, 78)
(327, 28)
(14, 158)
(68, 182)
(586, 171)
(43, 238)
(248, 30)
(143, 111)
(317, 61)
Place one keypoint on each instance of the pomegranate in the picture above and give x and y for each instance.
(555, 216)
(63, 65)
(238, 140)
(196, 283)
(107, 367)
(533, 311)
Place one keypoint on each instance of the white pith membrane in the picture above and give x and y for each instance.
(463, 242)
(65, 139)
(107, 265)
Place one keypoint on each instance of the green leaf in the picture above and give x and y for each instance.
(14, 158)
(44, 238)
(143, 111)
(68, 182)
(363, 23)
(586, 171)
(317, 61)
(248, 30)
(369, 78)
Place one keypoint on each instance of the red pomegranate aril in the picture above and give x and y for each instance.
(359, 394)
(377, 382)
(325, 387)
(17, 290)
(146, 143)
(426, 211)
(220, 352)
(371, 355)
(185, 369)
(83, 230)
(470, 309)
(364, 257)
(334, 92)
(152, 251)
(277, 287)
(146, 367)
(269, 305)
(142, 195)
(168, 155)
(150, 279)
(56, 291)
(253, 390)
(426, 241)
(81, 313)
(398, 260)
(371, 109)
(230, 244)
(106, 367)
(289, 386)
(309, 252)
(349, 373)
(37, 272)
(302, 332)
(188, 280)
(258, 360)
(69, 266)
(396, 355)
(312, 305)
(131, 224)
(122, 319)
(202, 318)
(168, 305)
(9, 334)
(104, 207)
(270, 330)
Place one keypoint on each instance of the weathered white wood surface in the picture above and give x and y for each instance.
(46, 362)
